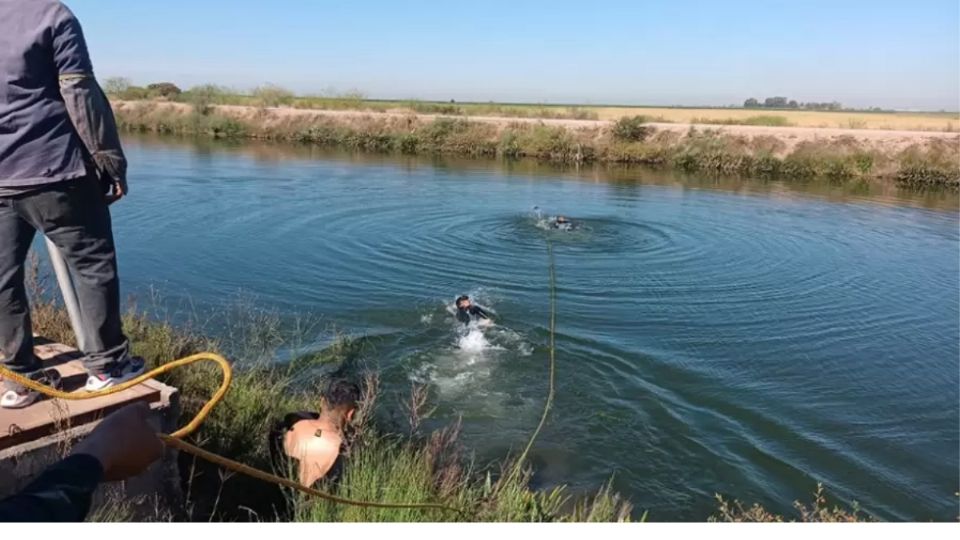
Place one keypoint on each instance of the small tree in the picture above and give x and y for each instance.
(116, 85)
(134, 93)
(204, 97)
(354, 98)
(164, 89)
(271, 95)
(631, 129)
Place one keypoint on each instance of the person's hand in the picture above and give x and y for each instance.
(118, 188)
(124, 443)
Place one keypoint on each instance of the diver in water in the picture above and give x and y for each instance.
(316, 441)
(562, 223)
(467, 311)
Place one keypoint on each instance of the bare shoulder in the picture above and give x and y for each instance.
(312, 436)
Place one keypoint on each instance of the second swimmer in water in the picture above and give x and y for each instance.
(467, 311)
(563, 223)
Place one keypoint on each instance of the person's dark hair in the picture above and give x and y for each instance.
(461, 299)
(341, 393)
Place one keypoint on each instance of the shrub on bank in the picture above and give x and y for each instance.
(631, 129)
(271, 95)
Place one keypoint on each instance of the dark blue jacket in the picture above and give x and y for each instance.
(61, 493)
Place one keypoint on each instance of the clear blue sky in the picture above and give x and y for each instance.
(900, 54)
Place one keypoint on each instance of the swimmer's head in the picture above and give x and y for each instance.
(463, 302)
(340, 398)
(562, 219)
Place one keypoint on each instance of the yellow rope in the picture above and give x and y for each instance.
(175, 439)
(548, 404)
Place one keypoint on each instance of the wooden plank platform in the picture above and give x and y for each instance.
(48, 416)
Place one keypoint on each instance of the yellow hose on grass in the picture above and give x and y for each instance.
(175, 439)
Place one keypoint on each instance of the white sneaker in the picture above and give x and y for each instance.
(24, 397)
(132, 368)
(13, 399)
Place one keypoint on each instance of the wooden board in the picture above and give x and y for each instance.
(48, 416)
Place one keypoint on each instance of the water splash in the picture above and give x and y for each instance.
(473, 342)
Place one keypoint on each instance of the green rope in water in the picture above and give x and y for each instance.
(553, 364)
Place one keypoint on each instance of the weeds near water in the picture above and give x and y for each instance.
(818, 511)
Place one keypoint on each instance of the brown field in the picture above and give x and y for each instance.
(900, 121)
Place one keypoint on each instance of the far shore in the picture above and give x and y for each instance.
(885, 139)
(916, 159)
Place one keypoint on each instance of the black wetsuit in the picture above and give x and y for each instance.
(465, 315)
(285, 463)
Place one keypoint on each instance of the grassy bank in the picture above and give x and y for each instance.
(932, 163)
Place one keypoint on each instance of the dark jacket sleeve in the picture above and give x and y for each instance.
(86, 104)
(478, 311)
(61, 493)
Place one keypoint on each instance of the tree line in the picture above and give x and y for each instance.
(780, 102)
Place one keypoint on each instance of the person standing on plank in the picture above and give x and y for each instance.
(61, 165)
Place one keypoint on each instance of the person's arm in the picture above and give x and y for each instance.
(61, 493)
(479, 311)
(86, 103)
(123, 445)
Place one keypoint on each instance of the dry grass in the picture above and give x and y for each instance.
(907, 121)
(818, 511)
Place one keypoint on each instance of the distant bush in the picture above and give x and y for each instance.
(134, 93)
(116, 85)
(166, 90)
(631, 129)
(549, 143)
(427, 107)
(271, 95)
(579, 113)
(121, 88)
(204, 97)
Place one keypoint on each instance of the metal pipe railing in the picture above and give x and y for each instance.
(67, 290)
